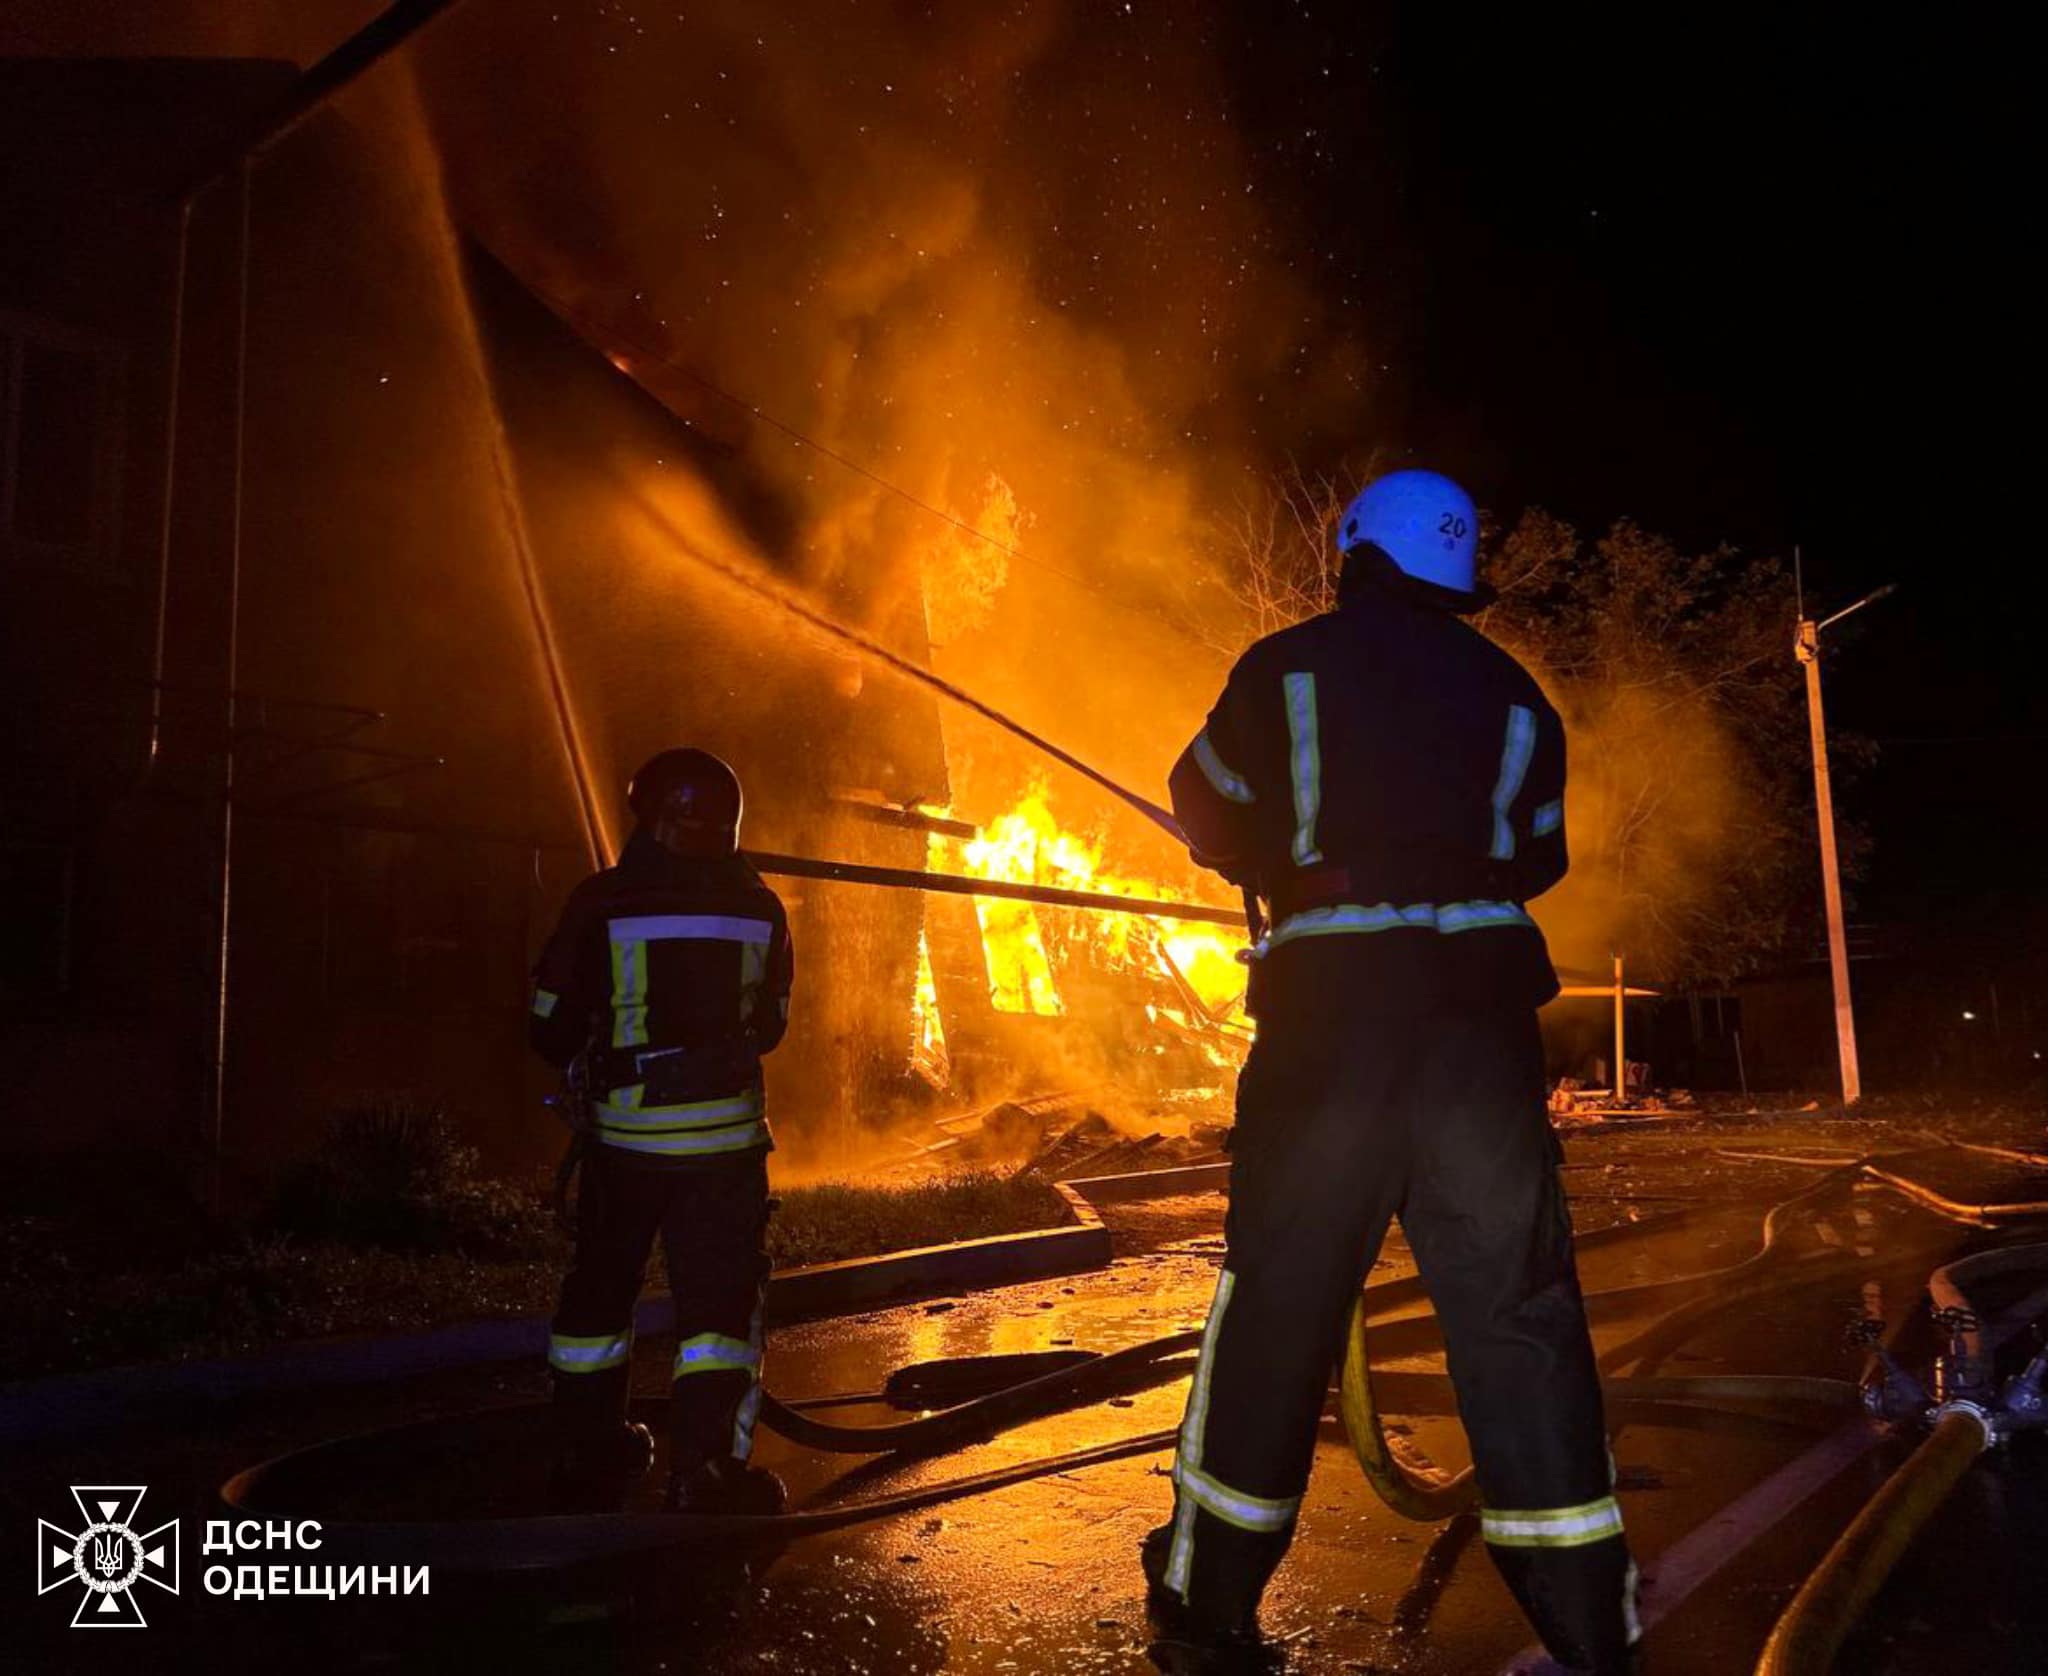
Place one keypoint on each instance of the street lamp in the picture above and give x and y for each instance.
(1807, 649)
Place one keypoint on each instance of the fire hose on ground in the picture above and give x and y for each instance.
(1843, 1586)
(1813, 1626)
(1417, 1489)
(1878, 1168)
(1410, 1486)
(1836, 1594)
(975, 1420)
(492, 1544)
(1735, 1283)
(1967, 1418)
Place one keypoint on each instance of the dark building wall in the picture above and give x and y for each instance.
(104, 867)
(404, 828)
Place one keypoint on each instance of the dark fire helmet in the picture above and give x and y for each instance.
(689, 800)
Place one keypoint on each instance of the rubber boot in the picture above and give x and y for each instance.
(592, 1474)
(1581, 1602)
(1190, 1642)
(723, 1485)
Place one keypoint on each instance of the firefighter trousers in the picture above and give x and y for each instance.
(712, 1220)
(1352, 1111)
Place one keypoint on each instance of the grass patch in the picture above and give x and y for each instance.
(386, 1230)
(391, 1175)
(834, 1220)
(248, 1295)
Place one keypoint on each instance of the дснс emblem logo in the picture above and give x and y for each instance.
(107, 1555)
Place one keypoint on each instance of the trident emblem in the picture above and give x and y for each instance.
(107, 1557)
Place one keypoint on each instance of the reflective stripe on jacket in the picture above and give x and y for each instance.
(674, 975)
(1392, 747)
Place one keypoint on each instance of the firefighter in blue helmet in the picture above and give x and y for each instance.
(666, 981)
(1391, 785)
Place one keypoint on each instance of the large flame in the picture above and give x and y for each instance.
(928, 1056)
(1027, 845)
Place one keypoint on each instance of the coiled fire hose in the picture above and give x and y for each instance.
(1414, 1489)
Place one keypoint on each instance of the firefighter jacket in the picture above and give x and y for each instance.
(1385, 768)
(671, 976)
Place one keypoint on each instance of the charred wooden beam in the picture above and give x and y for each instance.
(905, 815)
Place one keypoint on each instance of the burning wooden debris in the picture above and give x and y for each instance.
(1061, 1136)
(1154, 1003)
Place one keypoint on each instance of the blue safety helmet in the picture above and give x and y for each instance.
(1422, 522)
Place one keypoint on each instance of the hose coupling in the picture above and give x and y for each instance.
(1987, 1421)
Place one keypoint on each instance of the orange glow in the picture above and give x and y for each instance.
(928, 1033)
(1027, 845)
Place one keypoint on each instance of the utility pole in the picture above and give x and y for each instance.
(1620, 1035)
(1807, 649)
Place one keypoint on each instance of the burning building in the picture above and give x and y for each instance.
(570, 387)
(392, 567)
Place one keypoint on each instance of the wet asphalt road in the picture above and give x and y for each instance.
(1042, 1576)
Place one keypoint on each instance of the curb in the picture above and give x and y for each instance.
(69, 1404)
(1152, 1184)
(859, 1283)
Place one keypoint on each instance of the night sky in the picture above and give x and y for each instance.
(1755, 278)
(1743, 273)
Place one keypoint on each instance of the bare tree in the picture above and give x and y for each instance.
(1690, 813)
(1276, 553)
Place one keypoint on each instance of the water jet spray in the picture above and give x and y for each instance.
(763, 589)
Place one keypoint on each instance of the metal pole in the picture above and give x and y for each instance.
(182, 262)
(362, 52)
(341, 68)
(216, 1091)
(1620, 1034)
(1807, 650)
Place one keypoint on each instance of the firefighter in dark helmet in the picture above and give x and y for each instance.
(1391, 784)
(666, 981)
